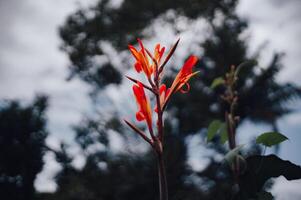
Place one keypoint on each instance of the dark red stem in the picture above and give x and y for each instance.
(162, 178)
(159, 141)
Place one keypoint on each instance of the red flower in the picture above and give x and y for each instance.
(142, 58)
(184, 75)
(144, 112)
(181, 79)
(158, 53)
(150, 64)
(163, 95)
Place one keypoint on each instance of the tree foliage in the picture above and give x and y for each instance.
(22, 146)
(85, 31)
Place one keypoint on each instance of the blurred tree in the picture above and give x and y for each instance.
(22, 146)
(86, 30)
(86, 36)
(111, 176)
(261, 97)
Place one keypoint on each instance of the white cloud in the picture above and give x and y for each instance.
(286, 190)
(44, 181)
(31, 63)
(279, 24)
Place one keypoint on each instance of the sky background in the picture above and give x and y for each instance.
(31, 63)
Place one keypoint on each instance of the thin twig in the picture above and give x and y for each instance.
(171, 51)
(141, 133)
(136, 81)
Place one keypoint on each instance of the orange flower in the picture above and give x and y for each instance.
(158, 53)
(142, 59)
(163, 95)
(181, 79)
(144, 112)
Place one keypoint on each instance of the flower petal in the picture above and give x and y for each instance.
(187, 67)
(140, 116)
(138, 67)
(162, 89)
(134, 51)
(143, 103)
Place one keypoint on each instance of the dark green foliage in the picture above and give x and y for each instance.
(22, 146)
(110, 176)
(265, 196)
(260, 169)
(273, 96)
(261, 98)
(63, 158)
(213, 127)
(104, 74)
(217, 179)
(84, 31)
(118, 178)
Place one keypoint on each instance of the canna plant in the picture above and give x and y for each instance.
(152, 66)
(249, 173)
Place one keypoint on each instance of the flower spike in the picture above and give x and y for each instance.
(150, 64)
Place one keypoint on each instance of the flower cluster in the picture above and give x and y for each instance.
(152, 65)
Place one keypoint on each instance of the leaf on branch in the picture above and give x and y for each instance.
(216, 82)
(213, 127)
(223, 134)
(270, 138)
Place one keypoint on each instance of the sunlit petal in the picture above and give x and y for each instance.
(144, 108)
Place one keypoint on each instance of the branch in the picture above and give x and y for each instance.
(171, 51)
(136, 81)
(137, 130)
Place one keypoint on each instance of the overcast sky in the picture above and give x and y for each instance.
(31, 63)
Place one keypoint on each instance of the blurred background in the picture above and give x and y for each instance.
(63, 94)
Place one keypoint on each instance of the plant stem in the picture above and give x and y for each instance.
(162, 178)
(159, 149)
(232, 142)
(158, 141)
(230, 118)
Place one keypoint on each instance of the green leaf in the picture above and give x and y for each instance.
(231, 155)
(223, 133)
(216, 82)
(270, 138)
(213, 127)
